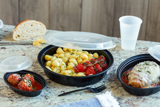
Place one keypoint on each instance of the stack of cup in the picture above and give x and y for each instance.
(129, 28)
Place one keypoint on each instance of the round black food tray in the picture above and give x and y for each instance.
(72, 80)
(130, 63)
(37, 77)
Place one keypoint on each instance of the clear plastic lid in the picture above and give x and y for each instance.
(15, 63)
(155, 52)
(81, 40)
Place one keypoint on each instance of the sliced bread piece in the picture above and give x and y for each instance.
(28, 29)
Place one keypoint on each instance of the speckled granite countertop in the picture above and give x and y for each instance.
(49, 97)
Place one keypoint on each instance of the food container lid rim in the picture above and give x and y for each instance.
(15, 63)
(81, 40)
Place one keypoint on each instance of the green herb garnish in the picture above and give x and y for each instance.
(139, 71)
(155, 64)
(149, 72)
(146, 63)
(34, 88)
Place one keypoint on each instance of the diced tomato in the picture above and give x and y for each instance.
(80, 68)
(101, 58)
(103, 64)
(90, 70)
(98, 68)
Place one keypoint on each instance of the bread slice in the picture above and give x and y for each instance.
(28, 29)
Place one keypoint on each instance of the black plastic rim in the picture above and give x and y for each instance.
(37, 77)
(42, 53)
(128, 64)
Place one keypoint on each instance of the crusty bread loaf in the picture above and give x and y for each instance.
(29, 29)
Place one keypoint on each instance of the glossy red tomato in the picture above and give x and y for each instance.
(98, 68)
(93, 61)
(14, 79)
(87, 63)
(80, 68)
(25, 85)
(90, 70)
(101, 58)
(103, 64)
(93, 66)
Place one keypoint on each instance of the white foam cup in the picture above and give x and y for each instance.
(129, 28)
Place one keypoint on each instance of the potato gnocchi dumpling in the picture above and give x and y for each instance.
(48, 57)
(70, 65)
(95, 55)
(48, 63)
(84, 56)
(59, 51)
(64, 60)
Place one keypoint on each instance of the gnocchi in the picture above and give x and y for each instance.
(48, 57)
(84, 56)
(64, 61)
(59, 51)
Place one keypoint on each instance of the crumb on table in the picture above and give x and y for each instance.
(38, 41)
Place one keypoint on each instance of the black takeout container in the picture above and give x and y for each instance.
(37, 77)
(72, 80)
(129, 64)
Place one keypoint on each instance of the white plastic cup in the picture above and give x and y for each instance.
(1, 23)
(129, 28)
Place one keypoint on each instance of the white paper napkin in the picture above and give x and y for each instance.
(107, 100)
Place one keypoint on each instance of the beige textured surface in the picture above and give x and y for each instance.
(49, 97)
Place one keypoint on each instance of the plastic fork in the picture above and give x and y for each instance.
(95, 90)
